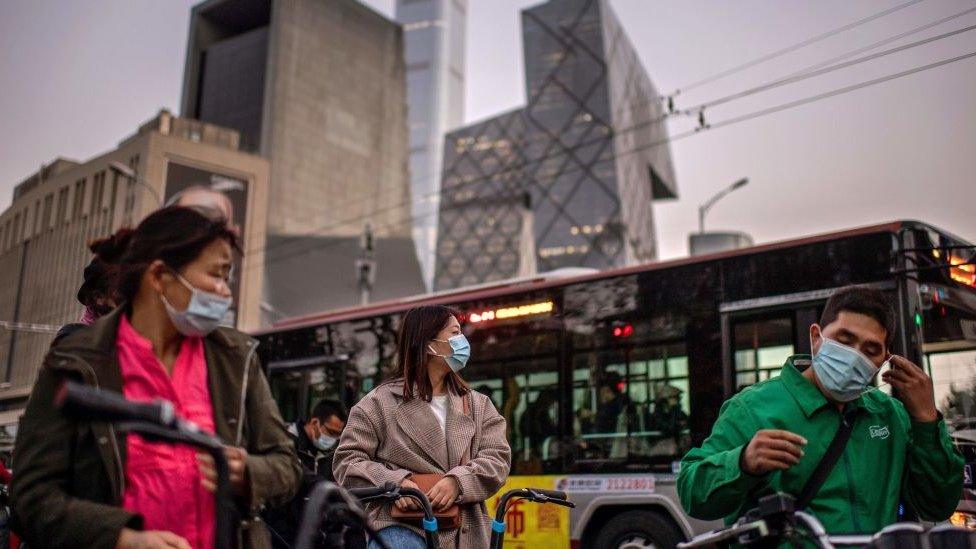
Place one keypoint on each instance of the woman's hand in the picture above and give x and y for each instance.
(407, 503)
(237, 465)
(134, 539)
(444, 493)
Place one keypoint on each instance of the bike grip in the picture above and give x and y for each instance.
(497, 527)
(551, 494)
(371, 492)
(430, 525)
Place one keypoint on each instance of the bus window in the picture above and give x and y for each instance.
(954, 379)
(761, 347)
(630, 405)
(515, 364)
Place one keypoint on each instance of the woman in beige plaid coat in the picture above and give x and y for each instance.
(416, 423)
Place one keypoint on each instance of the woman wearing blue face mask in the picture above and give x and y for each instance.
(426, 429)
(86, 484)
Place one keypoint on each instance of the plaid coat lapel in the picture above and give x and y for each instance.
(417, 421)
(460, 430)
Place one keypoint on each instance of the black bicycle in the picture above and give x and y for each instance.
(776, 520)
(332, 511)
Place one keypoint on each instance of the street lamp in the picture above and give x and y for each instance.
(131, 175)
(703, 209)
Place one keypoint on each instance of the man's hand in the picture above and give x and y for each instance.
(772, 450)
(134, 539)
(914, 389)
(236, 463)
(407, 503)
(444, 493)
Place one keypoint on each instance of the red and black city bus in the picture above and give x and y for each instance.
(636, 362)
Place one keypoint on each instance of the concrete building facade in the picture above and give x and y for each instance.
(580, 163)
(57, 211)
(317, 87)
(434, 40)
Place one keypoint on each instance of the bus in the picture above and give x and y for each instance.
(607, 378)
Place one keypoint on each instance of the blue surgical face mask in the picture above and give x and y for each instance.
(202, 315)
(844, 372)
(325, 442)
(460, 352)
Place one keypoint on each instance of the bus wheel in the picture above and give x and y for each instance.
(638, 530)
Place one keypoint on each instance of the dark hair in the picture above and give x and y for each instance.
(98, 286)
(326, 408)
(418, 326)
(864, 301)
(175, 234)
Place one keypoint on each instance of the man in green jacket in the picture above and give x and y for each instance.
(770, 437)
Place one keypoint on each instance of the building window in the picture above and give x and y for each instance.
(79, 204)
(62, 205)
(37, 216)
(48, 207)
(16, 230)
(98, 190)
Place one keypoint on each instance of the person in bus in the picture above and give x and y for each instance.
(536, 424)
(771, 437)
(85, 484)
(426, 420)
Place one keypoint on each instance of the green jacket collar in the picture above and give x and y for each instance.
(807, 396)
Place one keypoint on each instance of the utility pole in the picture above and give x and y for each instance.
(366, 265)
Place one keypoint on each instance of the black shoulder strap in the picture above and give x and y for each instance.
(829, 458)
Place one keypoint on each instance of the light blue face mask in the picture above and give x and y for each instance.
(460, 352)
(202, 315)
(844, 372)
(325, 442)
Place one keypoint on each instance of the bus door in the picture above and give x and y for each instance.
(758, 335)
(299, 383)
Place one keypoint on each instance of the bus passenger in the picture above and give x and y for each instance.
(772, 436)
(536, 423)
(83, 483)
(427, 421)
(613, 402)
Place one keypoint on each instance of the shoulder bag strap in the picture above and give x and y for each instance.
(829, 459)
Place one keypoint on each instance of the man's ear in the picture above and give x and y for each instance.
(816, 338)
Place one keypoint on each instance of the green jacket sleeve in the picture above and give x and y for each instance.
(933, 483)
(273, 469)
(711, 485)
(45, 514)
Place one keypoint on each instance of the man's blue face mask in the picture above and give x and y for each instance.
(843, 371)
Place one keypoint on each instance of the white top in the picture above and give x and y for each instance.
(438, 405)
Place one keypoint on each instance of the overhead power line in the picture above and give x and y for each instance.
(820, 72)
(790, 49)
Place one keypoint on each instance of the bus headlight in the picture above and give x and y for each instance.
(963, 520)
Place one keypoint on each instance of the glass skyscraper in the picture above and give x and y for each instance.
(568, 179)
(434, 32)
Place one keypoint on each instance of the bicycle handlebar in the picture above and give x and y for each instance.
(373, 492)
(392, 492)
(537, 495)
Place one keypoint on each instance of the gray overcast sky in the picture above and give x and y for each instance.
(78, 76)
